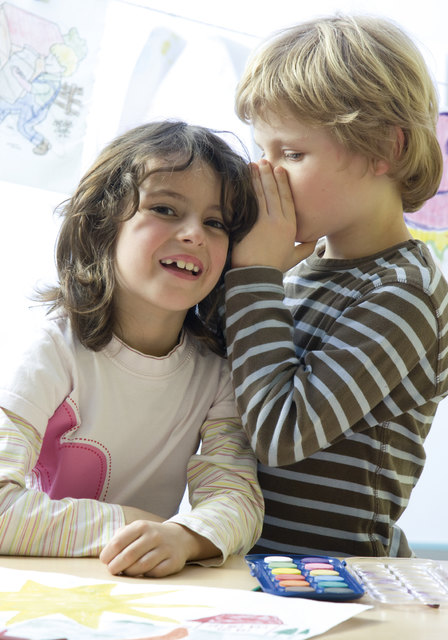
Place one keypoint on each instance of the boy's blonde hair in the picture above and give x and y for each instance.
(362, 78)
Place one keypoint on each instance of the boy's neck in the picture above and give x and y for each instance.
(369, 247)
(380, 225)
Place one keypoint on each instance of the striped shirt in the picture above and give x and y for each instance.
(338, 369)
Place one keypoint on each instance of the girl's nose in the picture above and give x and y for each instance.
(192, 232)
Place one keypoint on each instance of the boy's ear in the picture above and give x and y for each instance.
(399, 142)
(381, 166)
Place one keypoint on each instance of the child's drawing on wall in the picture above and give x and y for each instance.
(35, 59)
(48, 56)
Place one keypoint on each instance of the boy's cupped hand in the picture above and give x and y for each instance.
(272, 240)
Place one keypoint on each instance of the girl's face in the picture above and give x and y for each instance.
(171, 253)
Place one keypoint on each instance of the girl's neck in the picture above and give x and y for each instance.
(150, 338)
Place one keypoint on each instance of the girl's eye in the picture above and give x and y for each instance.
(217, 224)
(163, 210)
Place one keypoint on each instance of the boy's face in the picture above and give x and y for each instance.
(332, 189)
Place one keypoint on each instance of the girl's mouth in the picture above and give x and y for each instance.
(180, 266)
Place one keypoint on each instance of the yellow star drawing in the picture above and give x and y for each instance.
(83, 604)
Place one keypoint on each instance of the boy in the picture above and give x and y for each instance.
(338, 367)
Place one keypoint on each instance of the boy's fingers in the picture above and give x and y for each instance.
(269, 186)
(277, 192)
(258, 188)
(284, 191)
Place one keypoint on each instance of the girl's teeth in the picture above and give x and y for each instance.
(181, 264)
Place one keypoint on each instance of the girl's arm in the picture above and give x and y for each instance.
(227, 503)
(226, 517)
(33, 524)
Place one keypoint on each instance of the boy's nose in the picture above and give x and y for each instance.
(274, 162)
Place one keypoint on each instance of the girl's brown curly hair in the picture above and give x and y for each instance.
(108, 194)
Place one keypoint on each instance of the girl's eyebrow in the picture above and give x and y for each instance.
(149, 192)
(160, 191)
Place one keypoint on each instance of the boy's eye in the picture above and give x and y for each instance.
(292, 155)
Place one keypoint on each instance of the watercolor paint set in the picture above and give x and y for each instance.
(316, 577)
(402, 580)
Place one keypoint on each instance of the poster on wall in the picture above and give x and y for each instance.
(73, 75)
(430, 223)
(48, 55)
(168, 66)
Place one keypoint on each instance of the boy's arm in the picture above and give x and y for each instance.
(33, 524)
(375, 361)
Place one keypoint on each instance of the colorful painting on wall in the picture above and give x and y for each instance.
(430, 224)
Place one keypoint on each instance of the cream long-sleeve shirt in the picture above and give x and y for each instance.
(84, 432)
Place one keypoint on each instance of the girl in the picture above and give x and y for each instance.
(103, 416)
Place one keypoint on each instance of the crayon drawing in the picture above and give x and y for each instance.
(45, 81)
(49, 606)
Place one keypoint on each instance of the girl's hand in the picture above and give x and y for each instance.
(154, 549)
(271, 242)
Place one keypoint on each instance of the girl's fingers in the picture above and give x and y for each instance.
(130, 557)
(122, 540)
(143, 563)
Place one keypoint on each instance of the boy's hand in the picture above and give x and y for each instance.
(271, 241)
(154, 549)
